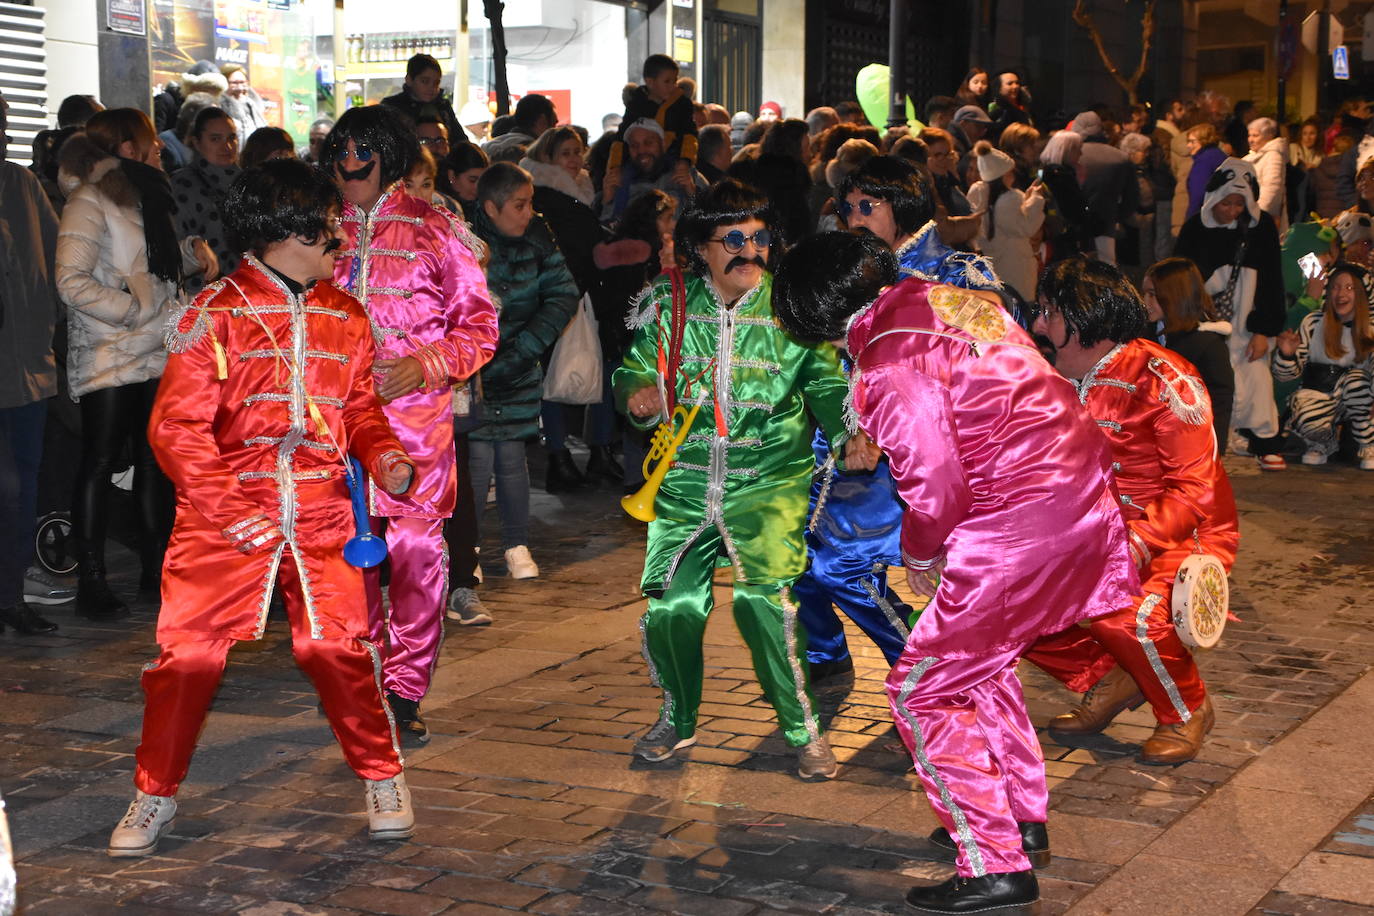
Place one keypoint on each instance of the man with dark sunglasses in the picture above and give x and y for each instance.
(415, 270)
(736, 492)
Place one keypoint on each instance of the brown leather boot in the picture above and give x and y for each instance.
(1179, 742)
(1100, 705)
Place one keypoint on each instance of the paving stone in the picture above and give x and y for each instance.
(389, 902)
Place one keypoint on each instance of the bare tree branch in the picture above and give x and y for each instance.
(1084, 20)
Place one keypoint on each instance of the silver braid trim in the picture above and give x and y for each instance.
(789, 631)
(1142, 617)
(962, 831)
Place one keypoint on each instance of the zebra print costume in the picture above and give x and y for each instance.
(1316, 414)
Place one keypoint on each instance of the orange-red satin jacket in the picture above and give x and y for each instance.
(1155, 411)
(261, 391)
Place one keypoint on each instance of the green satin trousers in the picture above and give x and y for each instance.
(674, 625)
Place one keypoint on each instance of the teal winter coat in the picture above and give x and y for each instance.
(537, 297)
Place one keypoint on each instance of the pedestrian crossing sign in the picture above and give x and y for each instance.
(1340, 62)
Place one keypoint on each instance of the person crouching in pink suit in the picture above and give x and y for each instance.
(1012, 529)
(415, 270)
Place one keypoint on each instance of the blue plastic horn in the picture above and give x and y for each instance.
(365, 549)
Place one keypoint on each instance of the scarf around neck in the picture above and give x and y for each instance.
(158, 206)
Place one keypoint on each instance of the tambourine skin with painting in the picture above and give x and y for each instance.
(1201, 597)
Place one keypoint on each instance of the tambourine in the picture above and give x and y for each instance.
(1200, 600)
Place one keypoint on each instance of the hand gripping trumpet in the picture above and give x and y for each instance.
(662, 448)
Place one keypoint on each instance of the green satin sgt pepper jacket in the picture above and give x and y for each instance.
(751, 483)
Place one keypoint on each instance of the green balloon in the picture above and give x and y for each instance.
(871, 86)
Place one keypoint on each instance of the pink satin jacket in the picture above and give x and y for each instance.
(416, 272)
(1002, 471)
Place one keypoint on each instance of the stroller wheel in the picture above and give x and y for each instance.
(54, 545)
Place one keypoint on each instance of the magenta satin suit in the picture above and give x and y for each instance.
(416, 273)
(1008, 480)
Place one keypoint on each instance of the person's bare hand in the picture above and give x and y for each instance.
(1315, 287)
(682, 176)
(860, 453)
(1288, 342)
(397, 478)
(610, 183)
(205, 257)
(1258, 346)
(925, 581)
(399, 377)
(645, 403)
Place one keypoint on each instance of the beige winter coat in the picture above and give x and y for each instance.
(115, 307)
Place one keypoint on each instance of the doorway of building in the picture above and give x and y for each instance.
(732, 60)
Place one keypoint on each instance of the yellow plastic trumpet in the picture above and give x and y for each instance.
(662, 448)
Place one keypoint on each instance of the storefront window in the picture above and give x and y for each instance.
(573, 51)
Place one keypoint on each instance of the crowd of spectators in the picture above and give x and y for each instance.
(569, 217)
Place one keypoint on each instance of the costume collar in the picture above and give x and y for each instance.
(1090, 377)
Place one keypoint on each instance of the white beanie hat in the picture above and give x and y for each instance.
(992, 162)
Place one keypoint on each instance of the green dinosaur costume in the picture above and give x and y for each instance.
(736, 494)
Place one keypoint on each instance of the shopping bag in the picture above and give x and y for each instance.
(574, 374)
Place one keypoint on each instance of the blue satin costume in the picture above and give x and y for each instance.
(854, 531)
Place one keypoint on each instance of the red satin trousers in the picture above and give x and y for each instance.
(180, 686)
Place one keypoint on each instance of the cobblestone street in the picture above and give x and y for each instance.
(528, 800)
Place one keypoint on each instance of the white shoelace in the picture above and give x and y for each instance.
(386, 796)
(142, 812)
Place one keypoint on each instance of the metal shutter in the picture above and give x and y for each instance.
(23, 76)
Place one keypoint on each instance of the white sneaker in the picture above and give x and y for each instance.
(1239, 445)
(1367, 458)
(147, 819)
(389, 815)
(1314, 456)
(520, 564)
(465, 607)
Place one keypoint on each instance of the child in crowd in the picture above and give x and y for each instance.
(527, 273)
(660, 99)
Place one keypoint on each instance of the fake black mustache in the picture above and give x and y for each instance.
(357, 174)
(743, 262)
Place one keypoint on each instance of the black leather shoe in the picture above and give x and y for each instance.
(825, 671)
(1004, 894)
(25, 620)
(602, 465)
(562, 475)
(1035, 841)
(409, 725)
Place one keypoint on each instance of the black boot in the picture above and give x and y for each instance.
(602, 465)
(1035, 842)
(25, 620)
(562, 476)
(411, 727)
(150, 575)
(1006, 893)
(94, 600)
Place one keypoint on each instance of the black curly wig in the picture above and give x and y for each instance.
(828, 277)
(725, 203)
(1096, 300)
(277, 200)
(898, 182)
(381, 128)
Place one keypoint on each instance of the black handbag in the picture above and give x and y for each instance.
(1322, 377)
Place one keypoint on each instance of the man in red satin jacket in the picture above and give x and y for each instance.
(1175, 497)
(267, 390)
